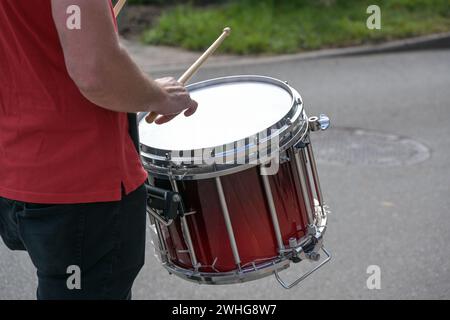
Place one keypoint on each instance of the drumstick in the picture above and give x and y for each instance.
(118, 7)
(197, 64)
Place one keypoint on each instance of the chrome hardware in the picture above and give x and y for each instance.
(314, 256)
(247, 273)
(158, 241)
(284, 159)
(307, 248)
(312, 230)
(165, 205)
(157, 216)
(321, 122)
(226, 216)
(185, 230)
(293, 242)
(305, 275)
(315, 174)
(273, 212)
(302, 178)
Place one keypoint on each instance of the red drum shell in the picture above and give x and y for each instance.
(249, 214)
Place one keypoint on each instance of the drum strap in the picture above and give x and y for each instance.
(133, 130)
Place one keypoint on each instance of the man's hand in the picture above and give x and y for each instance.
(175, 101)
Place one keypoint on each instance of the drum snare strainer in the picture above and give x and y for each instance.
(235, 194)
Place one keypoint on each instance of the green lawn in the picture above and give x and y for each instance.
(288, 26)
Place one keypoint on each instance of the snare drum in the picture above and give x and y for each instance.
(235, 194)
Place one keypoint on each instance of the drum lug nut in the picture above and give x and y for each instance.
(314, 256)
(321, 122)
(293, 242)
(302, 144)
(284, 158)
(311, 230)
(176, 198)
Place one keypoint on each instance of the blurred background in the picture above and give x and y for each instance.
(279, 27)
(384, 165)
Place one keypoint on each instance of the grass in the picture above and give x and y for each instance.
(288, 26)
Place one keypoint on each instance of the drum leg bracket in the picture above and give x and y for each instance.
(305, 275)
(163, 204)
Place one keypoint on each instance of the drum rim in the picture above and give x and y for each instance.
(292, 127)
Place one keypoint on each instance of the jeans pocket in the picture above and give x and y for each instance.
(8, 225)
(7, 201)
(53, 236)
(38, 208)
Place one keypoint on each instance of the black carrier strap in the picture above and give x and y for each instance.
(133, 130)
(166, 203)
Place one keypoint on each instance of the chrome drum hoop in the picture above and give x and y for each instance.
(260, 270)
(172, 163)
(232, 277)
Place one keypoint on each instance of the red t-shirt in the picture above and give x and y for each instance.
(55, 145)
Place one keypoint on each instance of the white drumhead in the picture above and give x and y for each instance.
(227, 112)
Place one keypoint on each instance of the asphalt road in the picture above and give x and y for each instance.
(395, 217)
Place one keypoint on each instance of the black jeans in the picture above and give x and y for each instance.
(102, 243)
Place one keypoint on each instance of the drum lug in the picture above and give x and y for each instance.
(298, 254)
(308, 251)
(302, 144)
(284, 157)
(312, 230)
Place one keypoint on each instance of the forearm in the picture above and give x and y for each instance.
(101, 69)
(120, 85)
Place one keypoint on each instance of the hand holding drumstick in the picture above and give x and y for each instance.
(175, 90)
(188, 75)
(174, 99)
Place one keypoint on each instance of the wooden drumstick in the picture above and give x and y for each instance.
(197, 64)
(118, 7)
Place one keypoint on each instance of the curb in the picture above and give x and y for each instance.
(428, 42)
